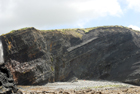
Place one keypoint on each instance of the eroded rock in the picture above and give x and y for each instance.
(37, 57)
(7, 85)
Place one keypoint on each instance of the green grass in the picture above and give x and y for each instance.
(52, 68)
(107, 27)
(112, 86)
(12, 31)
(25, 28)
(66, 32)
(74, 33)
(104, 86)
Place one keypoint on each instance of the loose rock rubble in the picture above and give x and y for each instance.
(131, 90)
(82, 87)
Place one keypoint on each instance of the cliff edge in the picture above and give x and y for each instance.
(40, 56)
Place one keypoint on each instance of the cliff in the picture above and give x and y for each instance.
(40, 56)
(7, 85)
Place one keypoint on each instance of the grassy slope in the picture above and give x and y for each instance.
(66, 31)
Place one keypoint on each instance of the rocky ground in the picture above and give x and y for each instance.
(82, 87)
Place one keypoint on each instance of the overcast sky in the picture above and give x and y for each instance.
(57, 14)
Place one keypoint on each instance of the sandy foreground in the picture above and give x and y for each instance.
(82, 87)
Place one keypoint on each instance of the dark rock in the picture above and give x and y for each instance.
(73, 79)
(7, 85)
(37, 57)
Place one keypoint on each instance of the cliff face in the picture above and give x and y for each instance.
(37, 57)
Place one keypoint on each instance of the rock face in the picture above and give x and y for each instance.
(37, 57)
(7, 85)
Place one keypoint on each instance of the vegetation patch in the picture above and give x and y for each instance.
(112, 86)
(104, 86)
(74, 33)
(52, 68)
(25, 28)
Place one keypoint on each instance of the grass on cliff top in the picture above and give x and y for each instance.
(25, 28)
(84, 29)
(76, 34)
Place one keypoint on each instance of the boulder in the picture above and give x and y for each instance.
(7, 85)
(73, 79)
(41, 56)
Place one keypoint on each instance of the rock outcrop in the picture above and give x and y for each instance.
(7, 85)
(38, 56)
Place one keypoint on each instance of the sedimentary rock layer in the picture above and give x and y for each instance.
(40, 56)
